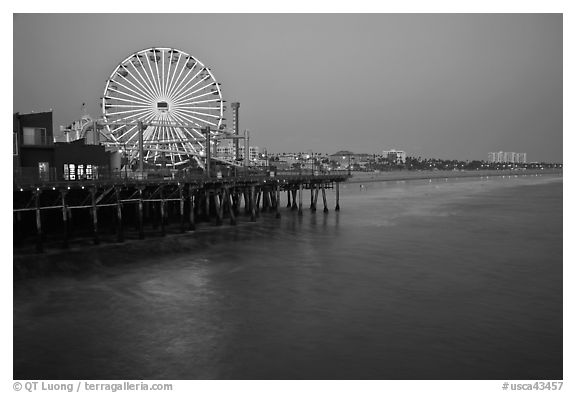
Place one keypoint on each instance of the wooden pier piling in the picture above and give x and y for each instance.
(191, 224)
(252, 203)
(64, 219)
(140, 214)
(181, 194)
(162, 213)
(121, 207)
(39, 245)
(277, 205)
(119, 228)
(95, 237)
(337, 196)
(300, 199)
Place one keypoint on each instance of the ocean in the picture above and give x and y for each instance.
(421, 279)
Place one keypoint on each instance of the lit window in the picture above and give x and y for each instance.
(80, 171)
(43, 171)
(66, 175)
(89, 172)
(72, 171)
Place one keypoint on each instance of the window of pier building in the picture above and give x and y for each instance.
(35, 136)
(80, 172)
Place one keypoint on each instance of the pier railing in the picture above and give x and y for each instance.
(30, 177)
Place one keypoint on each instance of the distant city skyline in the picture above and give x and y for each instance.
(452, 86)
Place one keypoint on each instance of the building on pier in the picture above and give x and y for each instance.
(33, 140)
(38, 157)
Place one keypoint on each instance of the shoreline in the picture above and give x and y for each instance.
(370, 177)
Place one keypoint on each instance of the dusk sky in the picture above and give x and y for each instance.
(453, 86)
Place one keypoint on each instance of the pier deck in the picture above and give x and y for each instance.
(62, 209)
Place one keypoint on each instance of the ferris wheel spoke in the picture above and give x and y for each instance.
(189, 122)
(209, 108)
(178, 135)
(199, 136)
(154, 77)
(168, 74)
(159, 79)
(147, 135)
(127, 106)
(136, 116)
(188, 116)
(184, 90)
(128, 131)
(163, 80)
(189, 93)
(169, 80)
(175, 147)
(144, 118)
(182, 137)
(145, 90)
(131, 111)
(146, 81)
(190, 101)
(140, 97)
(205, 121)
(143, 93)
(125, 100)
(153, 137)
(177, 78)
(198, 113)
(203, 102)
(151, 75)
(134, 99)
(177, 88)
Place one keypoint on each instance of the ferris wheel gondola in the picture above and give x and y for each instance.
(173, 94)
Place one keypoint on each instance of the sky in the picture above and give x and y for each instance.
(452, 86)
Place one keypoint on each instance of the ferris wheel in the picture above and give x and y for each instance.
(174, 96)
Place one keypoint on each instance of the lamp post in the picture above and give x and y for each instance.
(206, 130)
(141, 149)
(125, 162)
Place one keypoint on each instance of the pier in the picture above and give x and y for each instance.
(51, 214)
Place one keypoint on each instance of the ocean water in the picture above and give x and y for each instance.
(439, 279)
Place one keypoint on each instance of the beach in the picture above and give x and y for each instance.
(365, 177)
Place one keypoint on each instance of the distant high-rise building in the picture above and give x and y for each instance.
(395, 156)
(509, 156)
(521, 158)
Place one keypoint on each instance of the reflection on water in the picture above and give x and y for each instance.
(448, 279)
